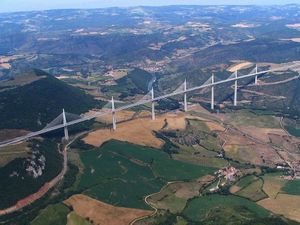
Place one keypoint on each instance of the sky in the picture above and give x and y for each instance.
(28, 5)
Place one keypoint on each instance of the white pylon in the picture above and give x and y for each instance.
(212, 93)
(65, 125)
(113, 112)
(153, 104)
(256, 71)
(185, 96)
(235, 89)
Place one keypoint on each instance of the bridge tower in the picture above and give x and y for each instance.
(113, 112)
(153, 104)
(65, 125)
(256, 71)
(185, 96)
(235, 89)
(212, 92)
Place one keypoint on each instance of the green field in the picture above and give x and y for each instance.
(74, 219)
(228, 209)
(273, 183)
(253, 191)
(292, 126)
(122, 174)
(53, 214)
(200, 156)
(245, 181)
(167, 200)
(292, 187)
(200, 125)
(246, 118)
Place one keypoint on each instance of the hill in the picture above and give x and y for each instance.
(32, 105)
(137, 81)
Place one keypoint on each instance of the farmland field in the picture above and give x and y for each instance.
(253, 191)
(292, 187)
(122, 174)
(284, 204)
(53, 214)
(292, 126)
(97, 212)
(12, 152)
(273, 184)
(74, 219)
(226, 206)
(198, 155)
(246, 117)
(138, 131)
(174, 196)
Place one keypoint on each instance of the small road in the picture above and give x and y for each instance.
(149, 204)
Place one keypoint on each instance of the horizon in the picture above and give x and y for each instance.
(8, 6)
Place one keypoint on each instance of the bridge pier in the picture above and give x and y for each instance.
(256, 71)
(185, 96)
(235, 89)
(65, 126)
(152, 104)
(212, 93)
(113, 112)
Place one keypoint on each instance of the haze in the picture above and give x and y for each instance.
(28, 5)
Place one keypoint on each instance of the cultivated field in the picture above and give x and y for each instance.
(253, 191)
(262, 134)
(123, 174)
(9, 153)
(53, 214)
(242, 183)
(257, 154)
(248, 118)
(138, 131)
(273, 183)
(226, 206)
(239, 66)
(74, 219)
(283, 204)
(101, 213)
(174, 196)
(117, 74)
(213, 126)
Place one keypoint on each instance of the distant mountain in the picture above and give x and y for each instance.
(31, 105)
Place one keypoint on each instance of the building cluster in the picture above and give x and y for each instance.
(226, 174)
(229, 173)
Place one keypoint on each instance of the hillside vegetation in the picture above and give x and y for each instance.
(34, 105)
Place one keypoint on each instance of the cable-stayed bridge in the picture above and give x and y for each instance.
(63, 120)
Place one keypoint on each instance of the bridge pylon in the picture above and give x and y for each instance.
(185, 96)
(113, 112)
(65, 125)
(235, 89)
(256, 71)
(212, 92)
(152, 104)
